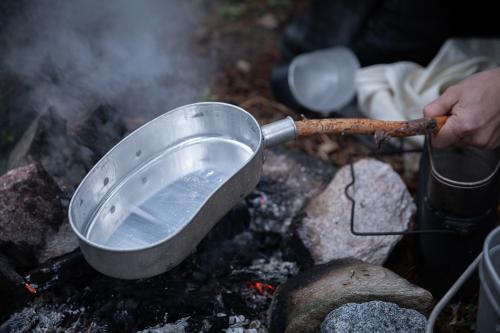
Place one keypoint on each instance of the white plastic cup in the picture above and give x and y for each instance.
(324, 80)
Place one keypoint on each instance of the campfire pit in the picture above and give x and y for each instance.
(227, 284)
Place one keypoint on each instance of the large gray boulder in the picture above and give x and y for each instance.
(383, 203)
(373, 317)
(301, 304)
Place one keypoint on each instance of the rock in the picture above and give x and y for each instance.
(372, 317)
(15, 115)
(46, 141)
(99, 130)
(62, 242)
(383, 203)
(289, 180)
(301, 304)
(33, 226)
(68, 149)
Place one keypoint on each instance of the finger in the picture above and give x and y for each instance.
(442, 105)
(449, 133)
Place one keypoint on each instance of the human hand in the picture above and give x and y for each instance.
(474, 109)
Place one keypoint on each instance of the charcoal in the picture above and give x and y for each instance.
(58, 271)
(11, 288)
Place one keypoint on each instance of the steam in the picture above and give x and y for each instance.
(136, 55)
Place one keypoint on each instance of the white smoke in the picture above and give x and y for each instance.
(135, 54)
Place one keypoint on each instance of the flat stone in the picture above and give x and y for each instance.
(301, 304)
(289, 180)
(372, 317)
(383, 203)
(33, 226)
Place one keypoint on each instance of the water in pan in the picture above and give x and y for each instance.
(164, 212)
(164, 195)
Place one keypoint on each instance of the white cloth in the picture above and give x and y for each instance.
(401, 90)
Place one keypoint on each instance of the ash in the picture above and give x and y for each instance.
(271, 269)
(177, 327)
(240, 324)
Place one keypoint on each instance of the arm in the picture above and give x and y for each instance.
(474, 109)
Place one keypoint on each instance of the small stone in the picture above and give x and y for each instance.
(383, 203)
(372, 317)
(268, 21)
(301, 304)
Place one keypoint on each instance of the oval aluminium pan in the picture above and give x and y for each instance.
(150, 200)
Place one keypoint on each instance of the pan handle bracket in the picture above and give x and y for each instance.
(279, 132)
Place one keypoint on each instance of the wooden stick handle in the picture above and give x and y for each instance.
(428, 125)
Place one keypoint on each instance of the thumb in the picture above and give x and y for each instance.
(443, 104)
